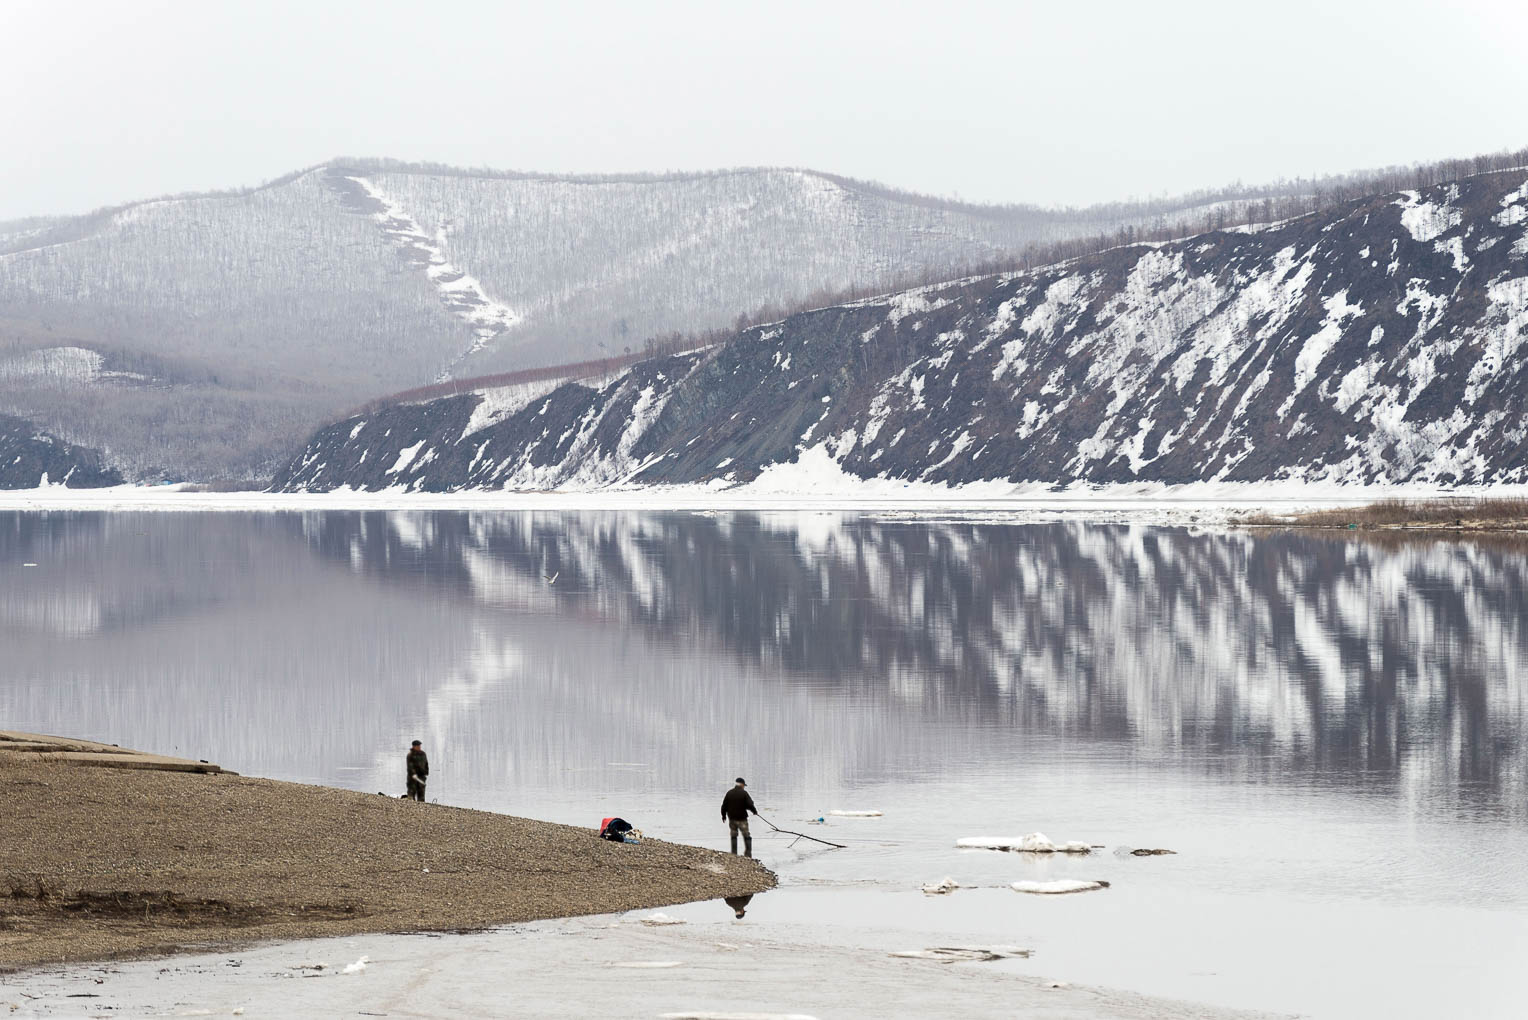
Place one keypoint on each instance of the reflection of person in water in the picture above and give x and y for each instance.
(739, 904)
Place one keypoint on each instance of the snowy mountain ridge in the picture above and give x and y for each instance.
(249, 318)
(1382, 341)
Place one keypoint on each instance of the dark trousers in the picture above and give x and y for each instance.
(738, 825)
(416, 790)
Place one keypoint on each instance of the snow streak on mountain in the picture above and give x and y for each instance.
(461, 294)
(1381, 341)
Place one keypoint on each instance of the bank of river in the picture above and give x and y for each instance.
(1460, 515)
(111, 862)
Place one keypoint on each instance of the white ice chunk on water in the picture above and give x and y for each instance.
(963, 954)
(868, 813)
(357, 967)
(706, 1015)
(646, 964)
(1058, 887)
(1033, 843)
(944, 885)
(660, 918)
(1037, 843)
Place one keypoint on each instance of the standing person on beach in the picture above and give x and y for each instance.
(735, 807)
(418, 767)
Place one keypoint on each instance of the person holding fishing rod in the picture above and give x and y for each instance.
(735, 807)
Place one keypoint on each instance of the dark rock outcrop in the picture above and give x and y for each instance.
(30, 457)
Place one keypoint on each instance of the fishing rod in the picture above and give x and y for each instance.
(799, 835)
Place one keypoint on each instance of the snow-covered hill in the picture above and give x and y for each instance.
(1381, 341)
(228, 326)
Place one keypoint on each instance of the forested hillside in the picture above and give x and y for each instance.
(204, 336)
(220, 329)
(1381, 340)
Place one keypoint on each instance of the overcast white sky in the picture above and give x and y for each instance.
(1054, 103)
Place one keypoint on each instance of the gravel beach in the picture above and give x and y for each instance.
(103, 863)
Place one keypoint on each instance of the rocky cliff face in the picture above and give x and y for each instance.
(30, 457)
(1383, 341)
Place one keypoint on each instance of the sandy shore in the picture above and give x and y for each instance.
(106, 862)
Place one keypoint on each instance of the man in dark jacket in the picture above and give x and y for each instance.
(418, 766)
(735, 807)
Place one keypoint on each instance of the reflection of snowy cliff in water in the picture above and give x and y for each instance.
(1398, 665)
(828, 649)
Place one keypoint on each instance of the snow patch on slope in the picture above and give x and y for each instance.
(59, 364)
(500, 402)
(1320, 343)
(1425, 221)
(462, 294)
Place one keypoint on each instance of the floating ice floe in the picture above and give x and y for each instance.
(944, 885)
(646, 964)
(1033, 843)
(735, 1016)
(964, 954)
(357, 967)
(855, 814)
(1059, 886)
(660, 918)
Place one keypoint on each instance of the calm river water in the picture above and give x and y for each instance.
(1329, 732)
